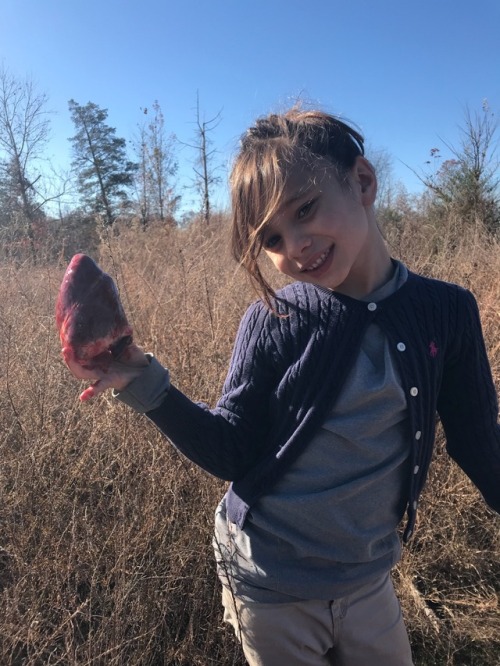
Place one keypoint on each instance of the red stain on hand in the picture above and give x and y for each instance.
(89, 315)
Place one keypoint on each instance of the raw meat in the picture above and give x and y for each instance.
(90, 316)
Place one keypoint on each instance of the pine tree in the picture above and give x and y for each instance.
(104, 174)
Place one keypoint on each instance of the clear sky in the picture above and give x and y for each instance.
(402, 70)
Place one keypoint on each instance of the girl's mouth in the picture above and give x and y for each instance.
(319, 261)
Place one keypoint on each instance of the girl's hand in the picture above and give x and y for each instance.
(117, 375)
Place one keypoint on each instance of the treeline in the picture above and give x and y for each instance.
(133, 182)
(44, 213)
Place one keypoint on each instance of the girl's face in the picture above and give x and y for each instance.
(327, 234)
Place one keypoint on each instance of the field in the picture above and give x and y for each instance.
(105, 530)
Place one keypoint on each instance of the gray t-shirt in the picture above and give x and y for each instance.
(329, 525)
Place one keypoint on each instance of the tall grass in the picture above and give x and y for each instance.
(105, 530)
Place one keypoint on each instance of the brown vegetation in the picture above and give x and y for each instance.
(105, 530)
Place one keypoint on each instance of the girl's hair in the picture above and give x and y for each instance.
(270, 150)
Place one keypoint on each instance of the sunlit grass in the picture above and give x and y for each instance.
(105, 530)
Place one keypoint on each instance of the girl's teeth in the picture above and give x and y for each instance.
(318, 261)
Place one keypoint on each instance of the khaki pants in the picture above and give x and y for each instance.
(363, 629)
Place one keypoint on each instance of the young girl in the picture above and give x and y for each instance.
(327, 419)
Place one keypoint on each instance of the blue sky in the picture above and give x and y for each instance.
(402, 71)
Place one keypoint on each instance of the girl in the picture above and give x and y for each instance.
(327, 419)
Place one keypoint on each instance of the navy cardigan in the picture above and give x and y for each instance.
(287, 372)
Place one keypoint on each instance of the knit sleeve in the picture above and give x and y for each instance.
(227, 440)
(467, 402)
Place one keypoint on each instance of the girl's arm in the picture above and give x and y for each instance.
(225, 441)
(468, 405)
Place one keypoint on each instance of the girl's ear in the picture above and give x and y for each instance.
(364, 175)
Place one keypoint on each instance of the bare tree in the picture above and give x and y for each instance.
(205, 172)
(157, 167)
(142, 176)
(381, 160)
(24, 132)
(467, 182)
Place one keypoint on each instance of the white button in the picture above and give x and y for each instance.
(418, 434)
(414, 506)
(414, 391)
(372, 307)
(415, 469)
(401, 346)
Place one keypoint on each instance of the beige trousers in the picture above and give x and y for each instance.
(363, 629)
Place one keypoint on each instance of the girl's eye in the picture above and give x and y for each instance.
(271, 242)
(305, 209)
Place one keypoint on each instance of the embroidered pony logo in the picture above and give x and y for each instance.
(433, 349)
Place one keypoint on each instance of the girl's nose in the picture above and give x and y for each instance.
(297, 243)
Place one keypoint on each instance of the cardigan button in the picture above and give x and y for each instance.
(415, 469)
(414, 391)
(372, 307)
(401, 346)
(418, 435)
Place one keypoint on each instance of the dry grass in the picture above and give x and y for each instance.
(105, 530)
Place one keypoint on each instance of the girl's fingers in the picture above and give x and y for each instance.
(94, 390)
(89, 393)
(118, 375)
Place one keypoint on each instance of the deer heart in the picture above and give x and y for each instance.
(89, 315)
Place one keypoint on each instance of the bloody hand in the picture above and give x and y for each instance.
(95, 335)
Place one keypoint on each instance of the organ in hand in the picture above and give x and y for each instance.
(89, 315)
